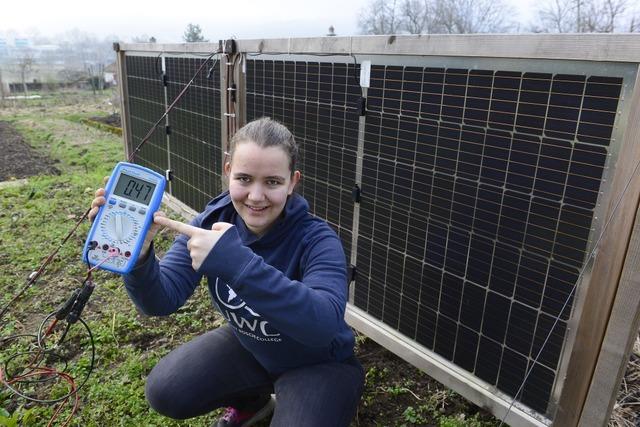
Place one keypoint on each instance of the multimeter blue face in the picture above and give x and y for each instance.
(134, 189)
(117, 234)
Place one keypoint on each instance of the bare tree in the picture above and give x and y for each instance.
(435, 16)
(586, 16)
(381, 17)
(418, 16)
(25, 64)
(474, 16)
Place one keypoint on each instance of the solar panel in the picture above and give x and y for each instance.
(478, 197)
(146, 104)
(195, 131)
(317, 102)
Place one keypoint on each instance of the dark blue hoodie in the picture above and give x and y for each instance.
(284, 294)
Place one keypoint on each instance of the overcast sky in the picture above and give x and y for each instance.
(167, 20)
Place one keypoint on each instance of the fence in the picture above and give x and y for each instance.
(484, 187)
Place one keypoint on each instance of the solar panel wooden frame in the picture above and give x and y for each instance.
(524, 53)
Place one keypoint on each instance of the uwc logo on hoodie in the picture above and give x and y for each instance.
(239, 315)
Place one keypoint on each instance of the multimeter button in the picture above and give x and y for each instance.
(127, 254)
(105, 247)
(122, 205)
(132, 208)
(112, 201)
(142, 211)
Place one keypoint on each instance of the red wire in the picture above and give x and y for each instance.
(51, 371)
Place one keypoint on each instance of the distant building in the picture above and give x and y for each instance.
(111, 74)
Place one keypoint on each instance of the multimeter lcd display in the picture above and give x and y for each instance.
(134, 189)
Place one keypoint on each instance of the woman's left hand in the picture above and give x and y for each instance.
(200, 242)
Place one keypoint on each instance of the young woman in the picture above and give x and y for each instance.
(278, 276)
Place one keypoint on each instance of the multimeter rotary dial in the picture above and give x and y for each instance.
(119, 227)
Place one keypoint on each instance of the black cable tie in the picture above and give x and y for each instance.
(362, 106)
(168, 174)
(354, 273)
(167, 129)
(165, 80)
(356, 193)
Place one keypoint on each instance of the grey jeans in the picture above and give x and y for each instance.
(214, 370)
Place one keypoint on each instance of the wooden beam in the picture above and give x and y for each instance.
(583, 47)
(606, 273)
(121, 66)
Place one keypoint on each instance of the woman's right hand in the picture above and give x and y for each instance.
(99, 200)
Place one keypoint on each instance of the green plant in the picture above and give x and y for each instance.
(20, 417)
(414, 415)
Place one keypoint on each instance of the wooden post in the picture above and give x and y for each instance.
(121, 66)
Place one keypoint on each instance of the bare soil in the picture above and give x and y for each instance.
(18, 160)
(111, 120)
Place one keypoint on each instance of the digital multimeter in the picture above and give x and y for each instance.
(133, 194)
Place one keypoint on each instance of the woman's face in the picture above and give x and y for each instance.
(259, 183)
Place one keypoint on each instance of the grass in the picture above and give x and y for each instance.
(34, 218)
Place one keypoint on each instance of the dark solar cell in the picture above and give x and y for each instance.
(495, 157)
(495, 317)
(480, 256)
(447, 148)
(488, 362)
(564, 106)
(532, 272)
(504, 269)
(431, 286)
(553, 333)
(537, 389)
(478, 97)
(470, 152)
(472, 306)
(411, 91)
(512, 371)
(426, 325)
(432, 87)
(445, 337)
(504, 100)
(450, 296)
(455, 86)
(522, 323)
(463, 209)
(466, 347)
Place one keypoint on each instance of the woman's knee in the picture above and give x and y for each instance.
(163, 397)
